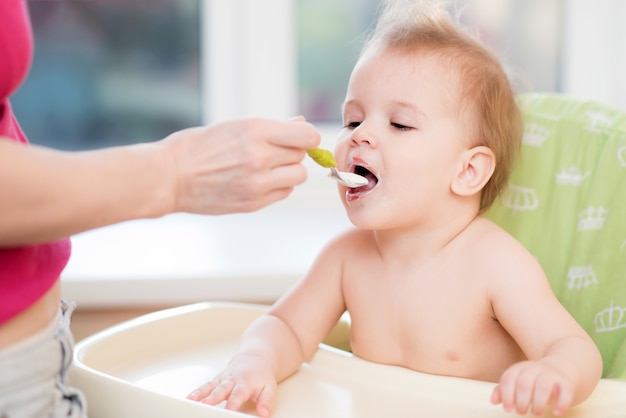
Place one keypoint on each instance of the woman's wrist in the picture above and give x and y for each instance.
(157, 183)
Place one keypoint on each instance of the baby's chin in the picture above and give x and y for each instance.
(361, 217)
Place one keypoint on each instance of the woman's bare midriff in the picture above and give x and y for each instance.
(33, 319)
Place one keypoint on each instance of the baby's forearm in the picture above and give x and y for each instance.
(580, 360)
(272, 341)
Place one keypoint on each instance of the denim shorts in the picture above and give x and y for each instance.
(33, 374)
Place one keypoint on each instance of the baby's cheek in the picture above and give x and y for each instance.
(341, 145)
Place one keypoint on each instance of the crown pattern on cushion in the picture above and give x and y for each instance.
(566, 202)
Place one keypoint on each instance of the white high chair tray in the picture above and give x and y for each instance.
(145, 367)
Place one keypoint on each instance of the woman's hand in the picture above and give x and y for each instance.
(237, 166)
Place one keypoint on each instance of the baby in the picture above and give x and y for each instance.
(431, 121)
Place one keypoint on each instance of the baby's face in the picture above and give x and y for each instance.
(402, 130)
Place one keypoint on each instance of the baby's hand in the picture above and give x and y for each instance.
(534, 385)
(239, 383)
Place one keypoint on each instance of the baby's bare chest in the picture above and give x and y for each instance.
(439, 323)
(415, 313)
(426, 297)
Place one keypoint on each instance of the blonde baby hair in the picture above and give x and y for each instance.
(486, 96)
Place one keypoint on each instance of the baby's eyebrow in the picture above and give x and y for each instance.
(411, 107)
(347, 103)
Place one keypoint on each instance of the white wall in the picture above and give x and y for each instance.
(594, 50)
(249, 59)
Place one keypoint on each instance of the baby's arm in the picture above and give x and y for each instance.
(269, 352)
(566, 375)
(564, 365)
(277, 343)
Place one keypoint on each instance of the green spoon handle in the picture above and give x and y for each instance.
(322, 157)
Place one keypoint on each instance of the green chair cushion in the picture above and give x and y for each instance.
(566, 202)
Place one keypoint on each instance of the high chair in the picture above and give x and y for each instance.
(566, 202)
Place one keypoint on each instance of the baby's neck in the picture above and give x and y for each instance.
(410, 244)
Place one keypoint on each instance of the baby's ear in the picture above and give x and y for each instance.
(475, 170)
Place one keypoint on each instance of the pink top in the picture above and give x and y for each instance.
(26, 273)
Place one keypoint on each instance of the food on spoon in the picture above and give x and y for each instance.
(325, 159)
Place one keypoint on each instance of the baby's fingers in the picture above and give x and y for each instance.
(505, 392)
(223, 391)
(496, 396)
(543, 392)
(243, 392)
(529, 388)
(220, 392)
(239, 394)
(203, 391)
(562, 397)
(265, 401)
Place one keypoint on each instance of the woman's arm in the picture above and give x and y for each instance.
(47, 194)
(237, 166)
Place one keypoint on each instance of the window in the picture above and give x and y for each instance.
(112, 72)
(330, 36)
(109, 73)
(524, 34)
(116, 72)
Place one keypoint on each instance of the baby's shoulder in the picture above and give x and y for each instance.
(490, 243)
(487, 235)
(501, 253)
(354, 235)
(350, 240)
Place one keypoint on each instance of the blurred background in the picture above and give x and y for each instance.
(112, 72)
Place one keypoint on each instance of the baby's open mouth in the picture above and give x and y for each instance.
(372, 181)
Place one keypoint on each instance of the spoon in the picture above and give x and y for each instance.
(325, 159)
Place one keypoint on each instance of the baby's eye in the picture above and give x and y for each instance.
(352, 125)
(400, 126)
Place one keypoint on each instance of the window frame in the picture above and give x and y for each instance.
(249, 59)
